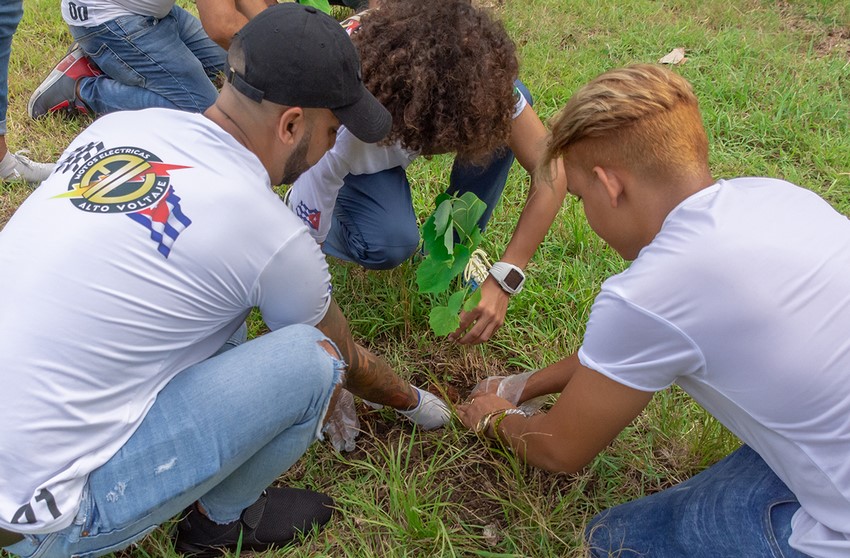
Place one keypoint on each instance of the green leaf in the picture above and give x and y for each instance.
(449, 240)
(474, 239)
(435, 246)
(466, 211)
(441, 198)
(443, 320)
(442, 215)
(472, 301)
(433, 276)
(456, 300)
(461, 257)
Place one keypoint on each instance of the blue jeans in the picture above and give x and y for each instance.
(374, 224)
(220, 432)
(149, 62)
(11, 12)
(738, 507)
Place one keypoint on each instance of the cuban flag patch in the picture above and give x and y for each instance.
(311, 217)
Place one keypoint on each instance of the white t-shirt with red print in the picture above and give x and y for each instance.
(138, 257)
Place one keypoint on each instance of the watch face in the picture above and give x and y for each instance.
(513, 279)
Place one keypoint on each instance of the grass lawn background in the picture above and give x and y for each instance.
(773, 79)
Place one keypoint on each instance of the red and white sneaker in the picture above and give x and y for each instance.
(59, 91)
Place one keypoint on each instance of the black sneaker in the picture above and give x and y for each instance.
(276, 519)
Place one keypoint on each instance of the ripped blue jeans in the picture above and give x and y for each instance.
(220, 432)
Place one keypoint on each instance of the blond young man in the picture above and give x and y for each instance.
(737, 293)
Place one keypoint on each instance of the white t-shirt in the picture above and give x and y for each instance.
(88, 13)
(137, 258)
(313, 196)
(743, 300)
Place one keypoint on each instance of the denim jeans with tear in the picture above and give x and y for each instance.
(736, 508)
(220, 432)
(149, 62)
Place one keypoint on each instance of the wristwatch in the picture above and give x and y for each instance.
(508, 276)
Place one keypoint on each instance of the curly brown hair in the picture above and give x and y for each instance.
(445, 71)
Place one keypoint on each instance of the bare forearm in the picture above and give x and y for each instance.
(538, 439)
(250, 8)
(552, 379)
(590, 412)
(532, 441)
(221, 20)
(368, 375)
(546, 194)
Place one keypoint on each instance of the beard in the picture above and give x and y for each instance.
(297, 162)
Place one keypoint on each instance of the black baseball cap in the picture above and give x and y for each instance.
(299, 56)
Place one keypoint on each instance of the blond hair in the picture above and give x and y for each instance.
(649, 114)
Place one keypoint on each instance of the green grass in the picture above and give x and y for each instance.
(773, 79)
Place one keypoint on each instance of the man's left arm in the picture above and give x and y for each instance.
(287, 297)
(590, 412)
(222, 19)
(545, 197)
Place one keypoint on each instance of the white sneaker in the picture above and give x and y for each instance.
(17, 166)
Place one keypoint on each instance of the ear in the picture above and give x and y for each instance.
(291, 125)
(611, 182)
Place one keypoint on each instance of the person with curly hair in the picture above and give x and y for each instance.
(447, 72)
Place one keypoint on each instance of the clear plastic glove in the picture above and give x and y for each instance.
(431, 411)
(343, 426)
(510, 388)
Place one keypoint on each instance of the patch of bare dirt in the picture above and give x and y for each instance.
(826, 40)
(836, 39)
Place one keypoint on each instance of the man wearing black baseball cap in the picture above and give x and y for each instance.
(131, 393)
(280, 62)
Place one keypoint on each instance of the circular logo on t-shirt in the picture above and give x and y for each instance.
(120, 180)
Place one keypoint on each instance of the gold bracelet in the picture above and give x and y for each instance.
(499, 420)
(484, 423)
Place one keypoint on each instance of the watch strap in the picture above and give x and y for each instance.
(504, 272)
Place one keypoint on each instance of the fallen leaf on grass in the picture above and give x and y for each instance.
(675, 56)
(491, 534)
